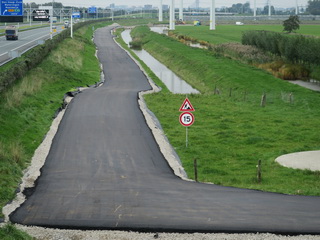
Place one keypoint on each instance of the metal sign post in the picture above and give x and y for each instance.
(186, 118)
(186, 137)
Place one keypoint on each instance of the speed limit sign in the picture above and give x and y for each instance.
(186, 119)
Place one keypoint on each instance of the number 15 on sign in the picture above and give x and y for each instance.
(186, 119)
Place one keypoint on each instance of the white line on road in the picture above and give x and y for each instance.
(30, 42)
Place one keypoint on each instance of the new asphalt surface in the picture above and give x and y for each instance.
(105, 171)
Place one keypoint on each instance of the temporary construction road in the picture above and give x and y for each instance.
(105, 171)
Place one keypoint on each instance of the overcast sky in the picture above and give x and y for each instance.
(186, 3)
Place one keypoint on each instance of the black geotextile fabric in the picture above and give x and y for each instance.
(105, 171)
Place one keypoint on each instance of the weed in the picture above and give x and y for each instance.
(10, 232)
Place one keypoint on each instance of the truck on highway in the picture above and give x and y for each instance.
(12, 32)
(66, 23)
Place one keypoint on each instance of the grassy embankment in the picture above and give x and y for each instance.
(226, 40)
(27, 108)
(231, 133)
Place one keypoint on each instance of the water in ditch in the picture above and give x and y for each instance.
(169, 78)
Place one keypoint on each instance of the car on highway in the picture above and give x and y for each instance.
(12, 32)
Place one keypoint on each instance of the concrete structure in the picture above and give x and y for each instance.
(160, 12)
(172, 18)
(213, 15)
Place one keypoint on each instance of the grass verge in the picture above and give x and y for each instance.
(28, 107)
(232, 131)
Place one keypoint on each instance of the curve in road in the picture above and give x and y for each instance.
(105, 171)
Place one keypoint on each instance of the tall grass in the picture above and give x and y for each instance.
(10, 232)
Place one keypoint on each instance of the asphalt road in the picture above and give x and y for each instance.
(27, 39)
(105, 171)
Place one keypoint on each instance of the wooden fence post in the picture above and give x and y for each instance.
(259, 171)
(195, 170)
(263, 100)
(245, 96)
(291, 98)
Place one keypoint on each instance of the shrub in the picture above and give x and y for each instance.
(295, 48)
(136, 44)
(291, 24)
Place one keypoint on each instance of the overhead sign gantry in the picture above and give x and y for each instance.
(11, 11)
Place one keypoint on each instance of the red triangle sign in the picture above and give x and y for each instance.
(186, 106)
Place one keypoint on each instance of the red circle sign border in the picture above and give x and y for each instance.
(184, 113)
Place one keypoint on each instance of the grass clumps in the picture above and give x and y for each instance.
(232, 132)
(10, 232)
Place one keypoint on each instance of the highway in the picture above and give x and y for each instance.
(27, 40)
(105, 171)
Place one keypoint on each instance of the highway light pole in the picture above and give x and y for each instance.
(51, 20)
(181, 10)
(297, 11)
(71, 22)
(160, 12)
(255, 8)
(213, 15)
(172, 23)
(269, 8)
(30, 13)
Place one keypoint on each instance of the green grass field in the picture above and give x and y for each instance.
(231, 133)
(233, 33)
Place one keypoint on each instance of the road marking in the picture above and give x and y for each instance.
(30, 42)
(117, 208)
(119, 218)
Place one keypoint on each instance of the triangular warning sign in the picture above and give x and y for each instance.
(186, 106)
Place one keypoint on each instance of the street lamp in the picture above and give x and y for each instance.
(213, 15)
(172, 19)
(30, 13)
(51, 21)
(181, 10)
(160, 12)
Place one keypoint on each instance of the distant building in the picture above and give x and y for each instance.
(112, 5)
(197, 4)
(148, 7)
(165, 7)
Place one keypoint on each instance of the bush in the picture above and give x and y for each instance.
(295, 48)
(136, 44)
